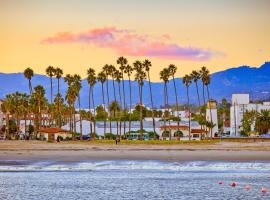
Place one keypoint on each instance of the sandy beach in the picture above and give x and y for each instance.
(82, 151)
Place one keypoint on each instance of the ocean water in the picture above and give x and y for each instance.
(133, 180)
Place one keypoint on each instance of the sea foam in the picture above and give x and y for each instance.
(138, 165)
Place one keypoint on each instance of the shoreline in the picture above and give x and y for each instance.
(34, 151)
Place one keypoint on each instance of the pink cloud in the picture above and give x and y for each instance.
(128, 43)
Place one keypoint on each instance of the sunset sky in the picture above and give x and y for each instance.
(77, 34)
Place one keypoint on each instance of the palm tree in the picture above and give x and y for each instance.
(140, 76)
(102, 78)
(78, 86)
(90, 74)
(263, 121)
(71, 98)
(172, 70)
(29, 73)
(195, 76)
(112, 71)
(147, 64)
(24, 104)
(91, 79)
(123, 64)
(210, 125)
(16, 97)
(164, 75)
(206, 81)
(50, 71)
(118, 77)
(203, 72)
(40, 101)
(106, 70)
(128, 70)
(187, 81)
(58, 75)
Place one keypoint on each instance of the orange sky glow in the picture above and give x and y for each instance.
(77, 34)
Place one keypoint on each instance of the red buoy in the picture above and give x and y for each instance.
(247, 187)
(220, 182)
(264, 189)
(233, 184)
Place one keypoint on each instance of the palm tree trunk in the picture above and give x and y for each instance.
(124, 97)
(70, 120)
(79, 101)
(74, 120)
(24, 126)
(141, 116)
(51, 88)
(167, 103)
(130, 105)
(30, 86)
(208, 94)
(119, 91)
(90, 113)
(204, 105)
(39, 115)
(108, 101)
(104, 107)
(203, 94)
(17, 124)
(198, 95)
(189, 114)
(7, 125)
(152, 104)
(199, 101)
(164, 116)
(114, 111)
(58, 106)
(93, 102)
(176, 101)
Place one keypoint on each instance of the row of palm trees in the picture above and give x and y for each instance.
(203, 75)
(141, 71)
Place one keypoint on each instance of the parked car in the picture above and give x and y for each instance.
(265, 135)
(85, 137)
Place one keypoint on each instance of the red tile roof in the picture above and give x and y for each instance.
(198, 131)
(52, 130)
(174, 127)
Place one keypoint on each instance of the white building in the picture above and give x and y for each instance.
(182, 114)
(211, 116)
(240, 105)
(150, 119)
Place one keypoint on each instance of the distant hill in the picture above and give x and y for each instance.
(243, 79)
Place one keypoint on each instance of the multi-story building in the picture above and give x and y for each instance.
(240, 105)
(211, 116)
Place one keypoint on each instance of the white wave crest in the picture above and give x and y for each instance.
(139, 165)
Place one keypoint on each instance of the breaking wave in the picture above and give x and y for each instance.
(193, 166)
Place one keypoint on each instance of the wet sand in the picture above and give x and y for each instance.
(12, 151)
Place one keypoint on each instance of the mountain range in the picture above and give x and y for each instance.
(243, 79)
